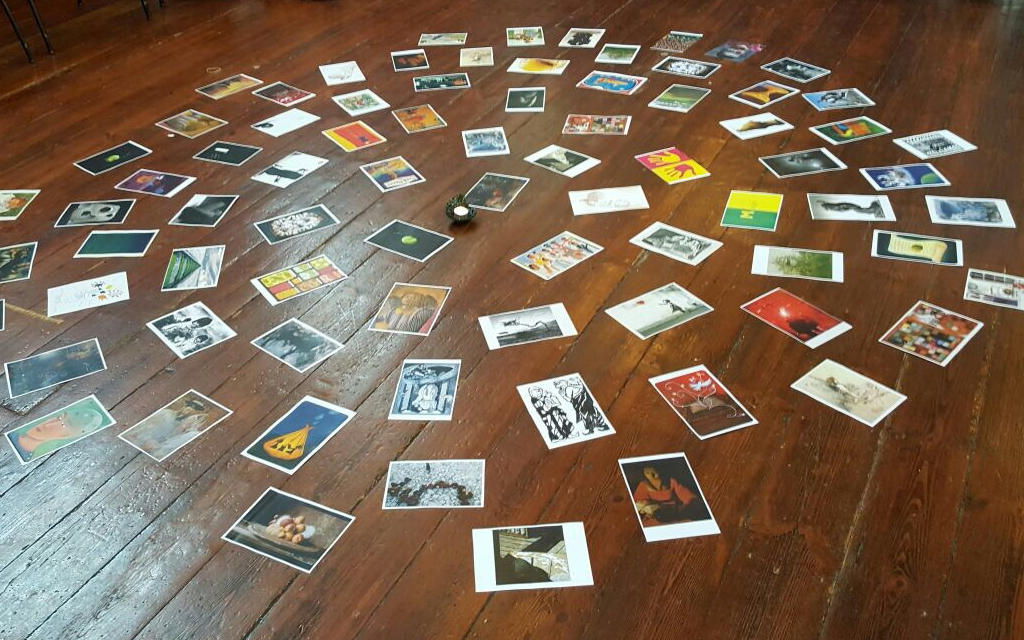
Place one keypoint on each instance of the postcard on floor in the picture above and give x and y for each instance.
(476, 57)
(420, 118)
(838, 99)
(297, 345)
(95, 212)
(14, 202)
(934, 144)
(688, 248)
(802, 163)
(850, 130)
(840, 206)
(193, 268)
(441, 82)
(577, 124)
(763, 94)
(538, 66)
(917, 248)
(796, 70)
(16, 261)
(411, 309)
(608, 200)
(485, 142)
(562, 161)
(525, 100)
(998, 289)
(87, 294)
(581, 38)
(686, 67)
(752, 210)
(116, 244)
(529, 325)
(795, 317)
(409, 60)
(359, 102)
(298, 280)
(659, 310)
(297, 223)
(392, 174)
(61, 428)
(285, 122)
(156, 183)
(930, 332)
(191, 123)
(702, 402)
(617, 54)
(495, 191)
(905, 176)
(426, 390)
(849, 392)
(229, 86)
(229, 153)
(341, 73)
(289, 529)
(547, 556)
(434, 484)
(409, 240)
(666, 497)
(609, 82)
(176, 424)
(190, 329)
(973, 212)
(290, 169)
(672, 165)
(203, 210)
(524, 36)
(735, 51)
(283, 94)
(756, 126)
(808, 264)
(442, 39)
(296, 436)
(354, 135)
(564, 411)
(54, 367)
(679, 97)
(557, 255)
(112, 158)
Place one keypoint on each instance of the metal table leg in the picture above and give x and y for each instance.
(17, 31)
(39, 23)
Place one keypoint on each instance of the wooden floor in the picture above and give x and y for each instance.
(912, 530)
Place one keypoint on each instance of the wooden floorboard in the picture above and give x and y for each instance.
(830, 529)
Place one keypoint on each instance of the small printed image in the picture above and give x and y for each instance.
(679, 97)
(564, 411)
(191, 329)
(354, 135)
(116, 244)
(283, 94)
(795, 70)
(108, 159)
(341, 73)
(298, 345)
(617, 54)
(668, 501)
(531, 557)
(838, 99)
(290, 169)
(296, 436)
(838, 206)
(524, 36)
(485, 142)
(53, 367)
(608, 200)
(538, 66)
(802, 163)
(557, 255)
(999, 289)
(435, 484)
(676, 41)
(972, 212)
(203, 210)
(686, 67)
(392, 174)
(763, 94)
(410, 60)
(16, 261)
(228, 153)
(795, 317)
(788, 262)
(688, 248)
(495, 191)
(441, 82)
(477, 57)
(175, 425)
(917, 248)
(851, 130)
(297, 223)
(930, 332)
(672, 165)
(735, 51)
(54, 431)
(156, 183)
(411, 309)
(298, 280)
(756, 126)
(752, 210)
(193, 268)
(934, 144)
(525, 100)
(229, 86)
(659, 310)
(609, 82)
(581, 38)
(442, 39)
(359, 102)
(191, 123)
(702, 402)
(525, 326)
(849, 392)
(564, 162)
(13, 203)
(577, 124)
(421, 118)
(426, 390)
(409, 240)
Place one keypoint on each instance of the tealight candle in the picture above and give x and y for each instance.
(458, 210)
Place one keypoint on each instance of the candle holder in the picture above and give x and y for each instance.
(458, 210)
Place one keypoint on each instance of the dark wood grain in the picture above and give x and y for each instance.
(830, 529)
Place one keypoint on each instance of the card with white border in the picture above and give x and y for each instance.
(435, 484)
(972, 212)
(564, 411)
(297, 345)
(296, 436)
(173, 426)
(849, 392)
(551, 556)
(667, 499)
(512, 328)
(806, 264)
(426, 390)
(684, 246)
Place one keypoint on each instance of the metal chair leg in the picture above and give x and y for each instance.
(145, 7)
(39, 23)
(17, 31)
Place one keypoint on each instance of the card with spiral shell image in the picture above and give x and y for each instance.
(426, 390)
(297, 435)
(848, 392)
(564, 411)
(702, 402)
(289, 529)
(297, 223)
(756, 126)
(435, 484)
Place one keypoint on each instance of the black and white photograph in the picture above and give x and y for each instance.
(529, 325)
(408, 240)
(851, 208)
(435, 484)
(688, 248)
(297, 223)
(426, 390)
(838, 99)
(95, 212)
(525, 100)
(562, 161)
(53, 367)
(229, 153)
(203, 210)
(666, 497)
(686, 67)
(285, 122)
(545, 556)
(934, 144)
(658, 310)
(190, 329)
(802, 163)
(297, 344)
(796, 70)
(564, 411)
(290, 169)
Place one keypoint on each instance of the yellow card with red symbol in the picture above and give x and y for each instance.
(672, 165)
